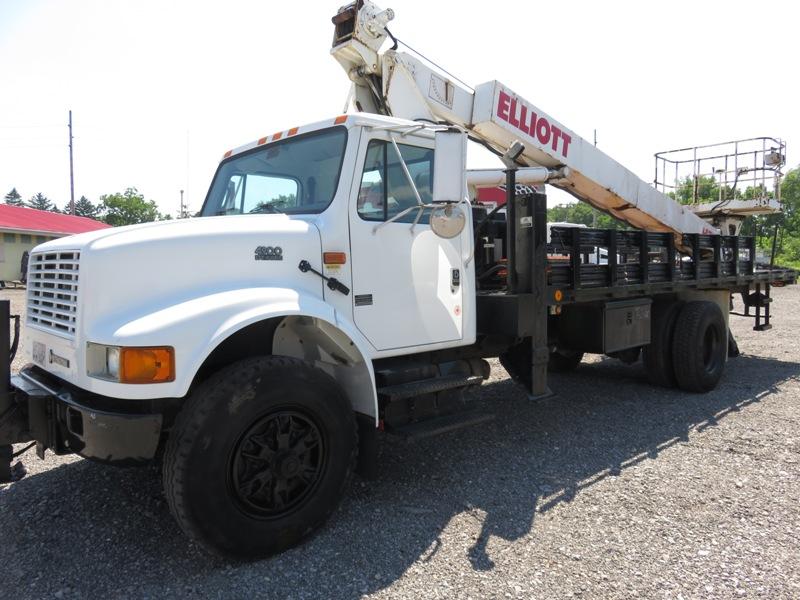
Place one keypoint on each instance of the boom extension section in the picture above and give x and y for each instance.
(403, 85)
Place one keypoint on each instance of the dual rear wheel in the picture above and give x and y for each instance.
(688, 346)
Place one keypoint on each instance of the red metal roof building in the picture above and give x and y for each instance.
(32, 221)
(21, 229)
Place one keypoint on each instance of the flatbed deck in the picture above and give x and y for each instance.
(622, 263)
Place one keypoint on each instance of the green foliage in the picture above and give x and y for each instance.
(84, 208)
(40, 202)
(763, 227)
(128, 208)
(13, 198)
(582, 213)
(708, 190)
(756, 191)
(705, 189)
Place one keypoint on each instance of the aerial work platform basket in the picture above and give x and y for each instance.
(727, 182)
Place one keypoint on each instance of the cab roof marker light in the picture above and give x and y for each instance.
(292, 131)
(262, 141)
(340, 119)
(227, 154)
(276, 136)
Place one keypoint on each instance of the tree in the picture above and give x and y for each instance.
(84, 208)
(13, 198)
(128, 208)
(40, 202)
(690, 190)
(788, 222)
(582, 213)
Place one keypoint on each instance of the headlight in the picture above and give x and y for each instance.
(154, 364)
(112, 361)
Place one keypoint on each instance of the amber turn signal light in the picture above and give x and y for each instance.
(334, 258)
(147, 365)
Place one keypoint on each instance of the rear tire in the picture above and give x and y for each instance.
(699, 346)
(259, 456)
(657, 355)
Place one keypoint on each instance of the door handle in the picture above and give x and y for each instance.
(455, 279)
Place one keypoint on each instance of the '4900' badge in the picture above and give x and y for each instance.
(269, 253)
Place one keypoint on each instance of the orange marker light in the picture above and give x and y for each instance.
(293, 131)
(262, 141)
(276, 136)
(227, 154)
(334, 258)
(558, 295)
(340, 119)
(147, 365)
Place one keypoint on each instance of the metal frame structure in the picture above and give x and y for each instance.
(753, 162)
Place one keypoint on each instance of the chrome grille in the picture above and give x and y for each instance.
(53, 291)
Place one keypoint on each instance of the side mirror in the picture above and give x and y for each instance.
(449, 166)
(448, 220)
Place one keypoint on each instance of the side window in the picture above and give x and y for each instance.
(372, 193)
(385, 190)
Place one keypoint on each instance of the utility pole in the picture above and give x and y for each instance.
(184, 213)
(71, 175)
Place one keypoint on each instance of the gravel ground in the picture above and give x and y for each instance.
(611, 489)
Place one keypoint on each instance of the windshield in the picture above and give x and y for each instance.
(297, 175)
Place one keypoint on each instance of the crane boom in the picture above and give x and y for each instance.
(400, 84)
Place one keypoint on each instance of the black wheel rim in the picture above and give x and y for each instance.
(711, 344)
(277, 463)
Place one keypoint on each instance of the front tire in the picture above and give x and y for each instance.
(259, 456)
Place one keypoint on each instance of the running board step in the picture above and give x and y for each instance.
(439, 425)
(412, 389)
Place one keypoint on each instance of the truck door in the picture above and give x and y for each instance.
(406, 280)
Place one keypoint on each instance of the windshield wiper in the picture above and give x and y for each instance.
(266, 207)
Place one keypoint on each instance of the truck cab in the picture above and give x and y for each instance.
(331, 194)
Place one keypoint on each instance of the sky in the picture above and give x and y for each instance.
(161, 89)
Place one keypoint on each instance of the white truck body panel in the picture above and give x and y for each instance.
(501, 116)
(759, 206)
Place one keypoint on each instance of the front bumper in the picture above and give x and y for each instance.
(67, 420)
